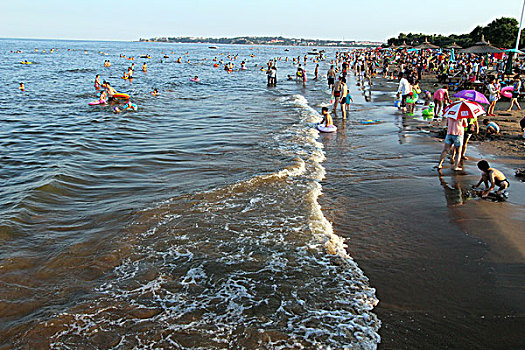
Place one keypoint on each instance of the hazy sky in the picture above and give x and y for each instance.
(375, 20)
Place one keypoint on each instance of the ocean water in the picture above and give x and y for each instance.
(191, 223)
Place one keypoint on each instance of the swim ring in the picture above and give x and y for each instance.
(194, 80)
(131, 106)
(507, 91)
(324, 128)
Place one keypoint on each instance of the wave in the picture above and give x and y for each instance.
(254, 264)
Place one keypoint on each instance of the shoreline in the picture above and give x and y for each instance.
(447, 270)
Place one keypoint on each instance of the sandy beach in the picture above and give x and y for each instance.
(448, 269)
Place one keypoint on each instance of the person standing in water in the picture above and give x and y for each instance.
(316, 72)
(337, 93)
(331, 77)
(344, 93)
(97, 82)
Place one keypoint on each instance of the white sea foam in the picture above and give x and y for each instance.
(254, 264)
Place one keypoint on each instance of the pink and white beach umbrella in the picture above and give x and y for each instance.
(463, 109)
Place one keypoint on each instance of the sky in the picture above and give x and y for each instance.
(373, 20)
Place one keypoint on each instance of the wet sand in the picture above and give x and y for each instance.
(449, 270)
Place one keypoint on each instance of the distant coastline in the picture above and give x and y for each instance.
(249, 40)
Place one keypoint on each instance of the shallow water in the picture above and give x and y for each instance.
(195, 222)
(191, 223)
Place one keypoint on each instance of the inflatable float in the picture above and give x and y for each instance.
(121, 96)
(507, 91)
(324, 128)
(371, 122)
(194, 80)
(98, 102)
(130, 107)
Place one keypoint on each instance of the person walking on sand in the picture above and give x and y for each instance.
(440, 100)
(403, 90)
(493, 97)
(472, 128)
(515, 93)
(455, 132)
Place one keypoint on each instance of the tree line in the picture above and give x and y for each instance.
(501, 32)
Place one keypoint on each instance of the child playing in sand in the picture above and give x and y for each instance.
(492, 175)
(327, 118)
(492, 127)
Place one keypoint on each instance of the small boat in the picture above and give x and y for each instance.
(213, 47)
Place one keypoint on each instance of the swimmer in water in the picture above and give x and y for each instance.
(144, 67)
(109, 90)
(155, 92)
(97, 82)
(327, 118)
(130, 106)
(492, 175)
(22, 87)
(116, 110)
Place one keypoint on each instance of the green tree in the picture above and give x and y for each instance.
(502, 32)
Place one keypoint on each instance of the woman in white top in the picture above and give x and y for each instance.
(493, 97)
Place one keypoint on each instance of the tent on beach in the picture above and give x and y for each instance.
(426, 45)
(454, 46)
(481, 47)
(404, 45)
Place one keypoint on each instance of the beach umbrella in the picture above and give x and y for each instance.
(472, 95)
(519, 52)
(463, 109)
(426, 45)
(482, 47)
(454, 46)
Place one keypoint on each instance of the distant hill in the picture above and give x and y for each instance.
(249, 40)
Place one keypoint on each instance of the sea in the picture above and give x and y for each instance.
(194, 222)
